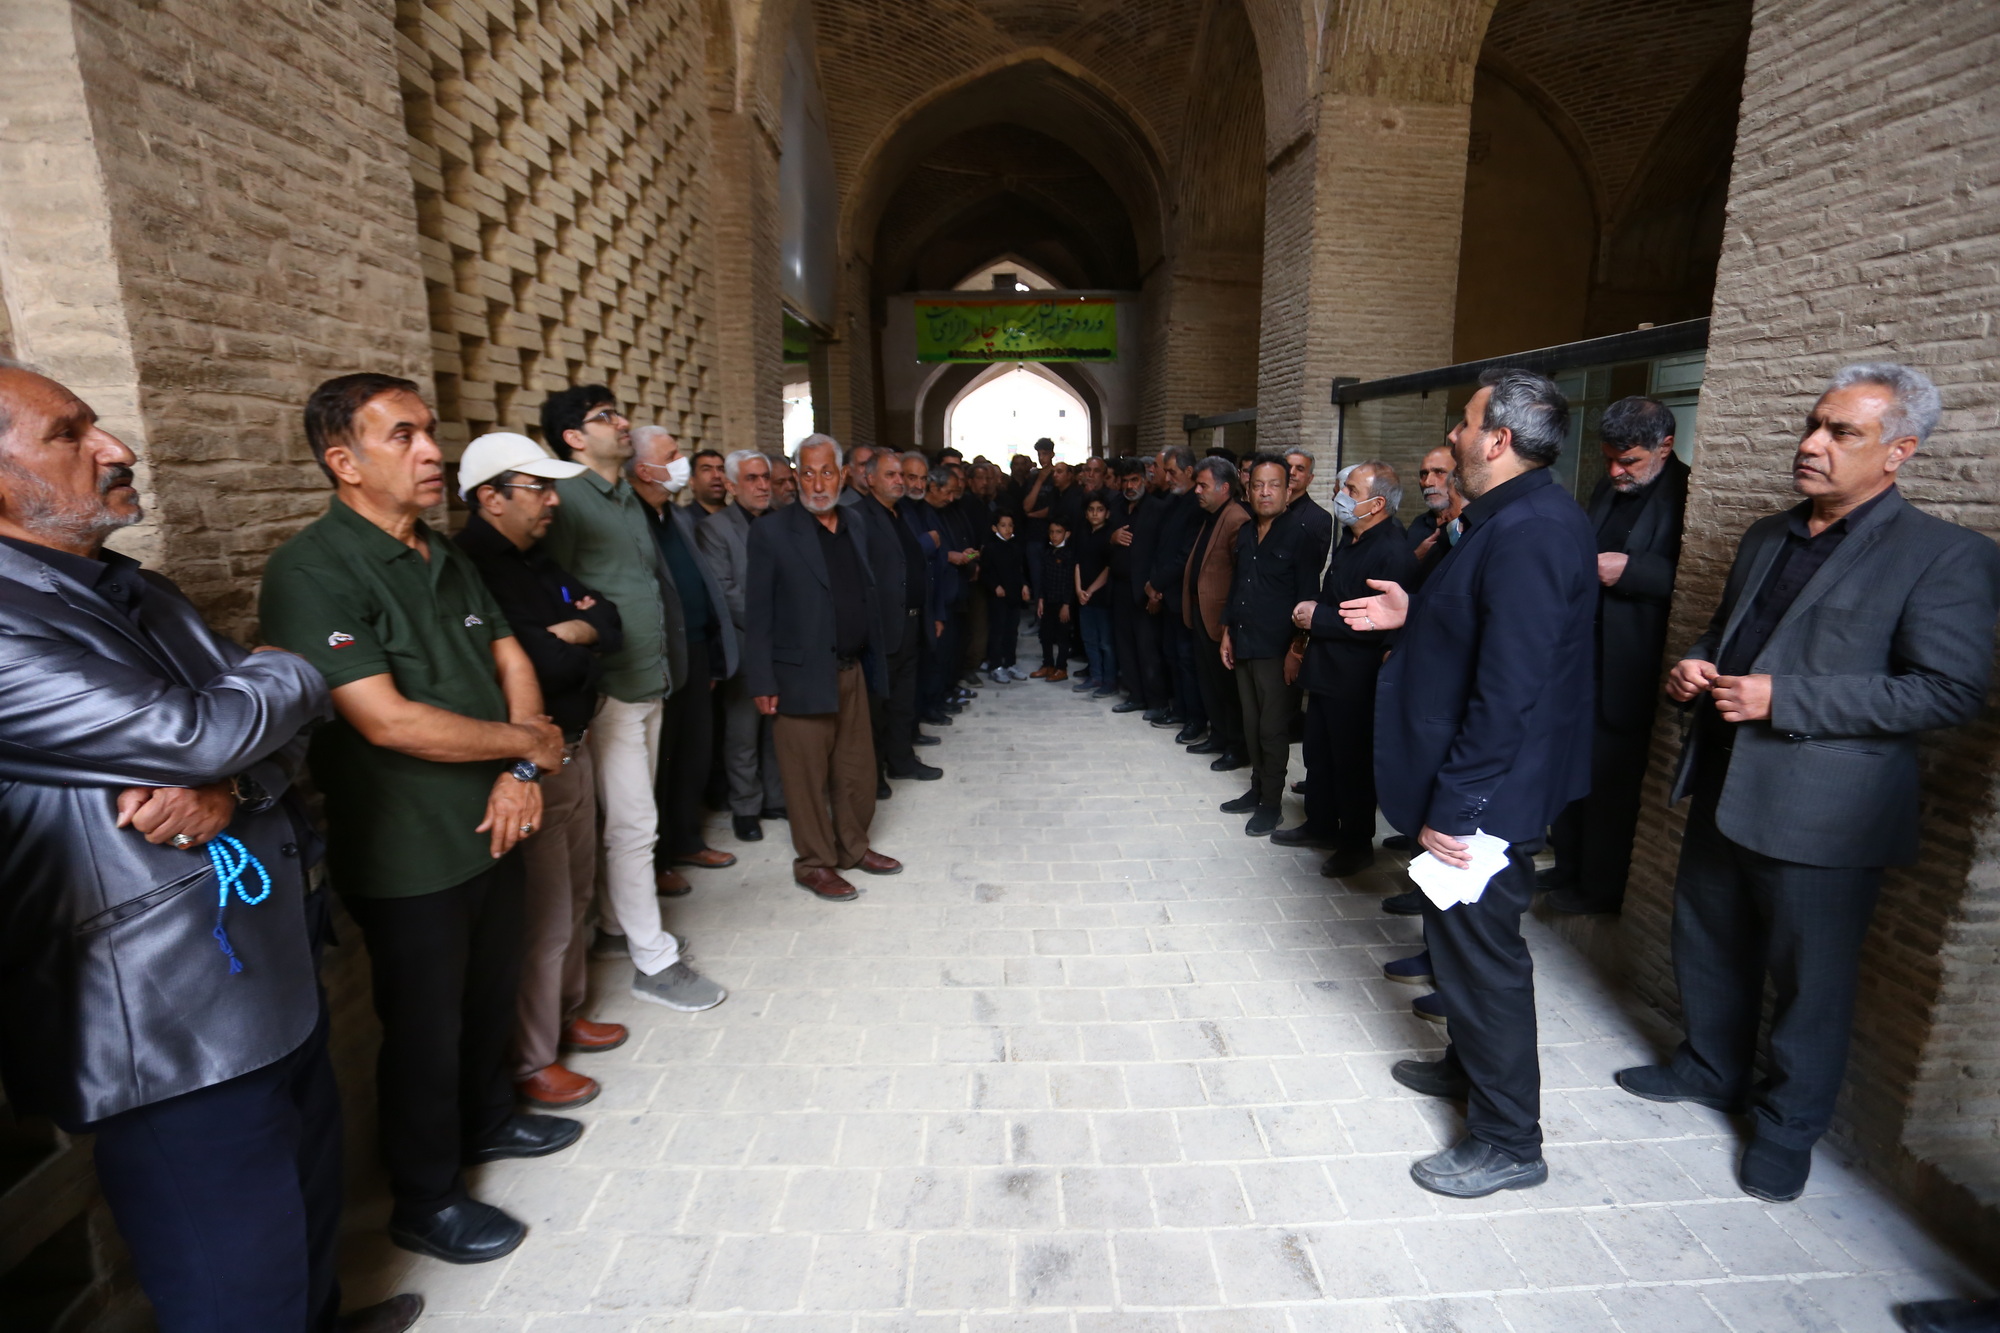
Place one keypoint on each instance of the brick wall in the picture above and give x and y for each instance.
(560, 157)
(1861, 223)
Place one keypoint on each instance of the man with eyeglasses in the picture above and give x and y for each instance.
(602, 535)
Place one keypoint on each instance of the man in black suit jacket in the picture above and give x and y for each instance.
(1482, 724)
(814, 654)
(1637, 512)
(1849, 624)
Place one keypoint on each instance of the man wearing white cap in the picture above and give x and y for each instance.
(565, 628)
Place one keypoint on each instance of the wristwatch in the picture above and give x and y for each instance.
(250, 794)
(526, 771)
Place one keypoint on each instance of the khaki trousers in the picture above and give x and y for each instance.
(561, 867)
(827, 761)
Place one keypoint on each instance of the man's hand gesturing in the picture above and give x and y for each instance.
(1388, 609)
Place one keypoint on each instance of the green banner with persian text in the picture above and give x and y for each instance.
(1062, 328)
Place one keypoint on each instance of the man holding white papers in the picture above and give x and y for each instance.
(1482, 723)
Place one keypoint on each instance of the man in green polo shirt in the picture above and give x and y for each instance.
(429, 775)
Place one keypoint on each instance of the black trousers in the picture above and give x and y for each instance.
(1218, 694)
(940, 667)
(229, 1197)
(894, 719)
(687, 738)
(1152, 659)
(1340, 765)
(1177, 642)
(1269, 705)
(1738, 917)
(446, 969)
(1003, 630)
(1125, 637)
(1482, 971)
(1057, 633)
(1592, 837)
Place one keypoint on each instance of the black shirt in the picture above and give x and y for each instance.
(1616, 529)
(697, 610)
(534, 592)
(114, 577)
(1339, 657)
(1058, 577)
(1003, 566)
(1272, 577)
(847, 582)
(1797, 561)
(1093, 554)
(913, 559)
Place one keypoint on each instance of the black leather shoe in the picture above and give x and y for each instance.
(1229, 763)
(1398, 842)
(1433, 1078)
(883, 791)
(1241, 805)
(1129, 706)
(1262, 821)
(921, 772)
(952, 707)
(1189, 734)
(1408, 903)
(1158, 716)
(746, 828)
(1209, 746)
(1949, 1316)
(1575, 902)
(1298, 835)
(1168, 718)
(1772, 1173)
(391, 1316)
(1659, 1083)
(527, 1136)
(937, 719)
(772, 812)
(922, 739)
(1342, 864)
(470, 1232)
(1473, 1169)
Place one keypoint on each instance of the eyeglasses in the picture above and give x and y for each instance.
(520, 486)
(605, 417)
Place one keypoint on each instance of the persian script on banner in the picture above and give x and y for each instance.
(1062, 328)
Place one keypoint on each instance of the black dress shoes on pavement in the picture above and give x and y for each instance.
(1949, 1316)
(922, 739)
(1433, 1078)
(468, 1232)
(1242, 805)
(1228, 763)
(920, 771)
(883, 791)
(1659, 1083)
(1408, 903)
(1473, 1169)
(1298, 835)
(527, 1135)
(394, 1315)
(1773, 1173)
(1129, 706)
(1189, 734)
(771, 812)
(1262, 821)
(746, 828)
(1209, 746)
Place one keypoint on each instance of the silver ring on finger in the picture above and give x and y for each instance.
(526, 829)
(182, 841)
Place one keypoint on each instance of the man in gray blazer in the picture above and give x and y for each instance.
(1636, 512)
(1849, 624)
(748, 762)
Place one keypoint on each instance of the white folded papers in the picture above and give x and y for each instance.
(1447, 885)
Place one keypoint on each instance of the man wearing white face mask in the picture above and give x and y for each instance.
(1340, 669)
(602, 535)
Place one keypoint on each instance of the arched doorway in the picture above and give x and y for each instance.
(1005, 408)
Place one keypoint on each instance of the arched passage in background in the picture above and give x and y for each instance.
(1001, 410)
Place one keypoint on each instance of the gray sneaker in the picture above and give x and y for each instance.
(678, 987)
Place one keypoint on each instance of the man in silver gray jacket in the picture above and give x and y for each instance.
(153, 992)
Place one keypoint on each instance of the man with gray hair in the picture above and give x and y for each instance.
(1849, 624)
(749, 764)
(1481, 728)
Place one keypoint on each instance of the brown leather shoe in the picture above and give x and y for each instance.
(826, 884)
(875, 863)
(581, 1034)
(555, 1087)
(394, 1315)
(1039, 672)
(672, 884)
(708, 858)
(1056, 675)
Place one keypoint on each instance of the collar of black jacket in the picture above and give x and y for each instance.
(1506, 493)
(112, 576)
(1800, 514)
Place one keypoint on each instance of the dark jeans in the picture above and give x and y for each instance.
(1340, 765)
(894, 719)
(1218, 695)
(687, 735)
(1486, 979)
(940, 668)
(1592, 837)
(229, 1197)
(1269, 705)
(446, 968)
(1097, 647)
(1178, 641)
(1738, 917)
(1003, 630)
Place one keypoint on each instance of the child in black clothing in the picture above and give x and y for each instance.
(1093, 572)
(1003, 569)
(1056, 607)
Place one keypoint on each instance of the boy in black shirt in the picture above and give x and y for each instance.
(1055, 607)
(1003, 569)
(1093, 574)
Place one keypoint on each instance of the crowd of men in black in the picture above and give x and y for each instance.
(514, 731)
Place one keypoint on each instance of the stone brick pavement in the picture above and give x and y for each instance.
(1098, 1063)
